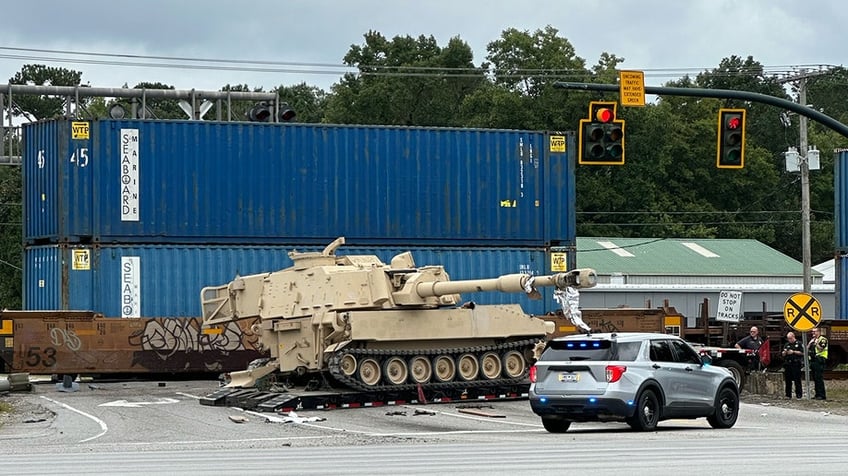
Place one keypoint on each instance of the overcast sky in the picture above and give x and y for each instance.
(648, 34)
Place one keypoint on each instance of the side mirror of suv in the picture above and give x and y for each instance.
(706, 359)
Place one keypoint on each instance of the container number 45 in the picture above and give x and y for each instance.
(80, 157)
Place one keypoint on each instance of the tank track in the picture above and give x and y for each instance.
(334, 366)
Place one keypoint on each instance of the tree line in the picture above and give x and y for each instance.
(668, 188)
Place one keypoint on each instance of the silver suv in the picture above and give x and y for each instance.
(637, 378)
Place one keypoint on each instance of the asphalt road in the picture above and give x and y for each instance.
(145, 428)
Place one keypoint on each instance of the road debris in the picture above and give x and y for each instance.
(473, 411)
(290, 417)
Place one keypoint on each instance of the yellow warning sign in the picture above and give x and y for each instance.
(6, 327)
(81, 260)
(632, 88)
(559, 263)
(79, 130)
(557, 144)
(802, 311)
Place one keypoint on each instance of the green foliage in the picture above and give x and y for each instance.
(156, 108)
(233, 110)
(405, 81)
(668, 187)
(95, 109)
(36, 107)
(525, 63)
(11, 258)
(308, 102)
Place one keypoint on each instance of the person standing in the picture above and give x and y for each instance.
(752, 341)
(793, 354)
(818, 361)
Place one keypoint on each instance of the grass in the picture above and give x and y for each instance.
(5, 407)
(836, 393)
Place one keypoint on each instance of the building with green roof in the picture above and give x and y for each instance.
(689, 274)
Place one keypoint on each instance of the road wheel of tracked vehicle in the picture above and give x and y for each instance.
(490, 365)
(420, 369)
(348, 365)
(468, 367)
(514, 364)
(395, 371)
(369, 372)
(444, 368)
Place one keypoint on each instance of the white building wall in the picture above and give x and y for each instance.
(689, 301)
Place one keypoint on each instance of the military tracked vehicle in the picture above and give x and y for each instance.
(373, 326)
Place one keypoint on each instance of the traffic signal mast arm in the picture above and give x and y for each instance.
(808, 112)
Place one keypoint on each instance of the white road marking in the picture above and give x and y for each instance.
(97, 420)
(128, 404)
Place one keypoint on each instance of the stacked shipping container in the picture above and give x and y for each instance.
(840, 189)
(133, 218)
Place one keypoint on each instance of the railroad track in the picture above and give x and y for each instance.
(836, 374)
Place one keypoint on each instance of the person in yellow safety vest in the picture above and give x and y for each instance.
(817, 350)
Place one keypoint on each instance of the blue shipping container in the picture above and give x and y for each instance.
(841, 276)
(840, 191)
(165, 182)
(165, 281)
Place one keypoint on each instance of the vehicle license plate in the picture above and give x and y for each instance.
(569, 377)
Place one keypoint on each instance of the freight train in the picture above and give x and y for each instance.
(87, 343)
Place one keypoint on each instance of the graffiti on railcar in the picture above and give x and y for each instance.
(66, 337)
(183, 344)
(66, 342)
(167, 337)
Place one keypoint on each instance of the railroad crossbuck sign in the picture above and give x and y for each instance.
(802, 311)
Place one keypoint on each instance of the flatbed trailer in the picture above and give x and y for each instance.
(330, 399)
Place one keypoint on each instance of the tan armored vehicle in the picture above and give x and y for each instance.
(376, 327)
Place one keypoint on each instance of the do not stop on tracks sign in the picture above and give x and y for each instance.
(802, 311)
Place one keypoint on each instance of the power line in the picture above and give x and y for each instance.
(268, 66)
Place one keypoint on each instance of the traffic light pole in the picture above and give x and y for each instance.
(720, 94)
(800, 108)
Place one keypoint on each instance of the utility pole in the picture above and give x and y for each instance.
(802, 157)
(803, 162)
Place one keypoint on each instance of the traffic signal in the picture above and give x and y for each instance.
(263, 112)
(731, 139)
(601, 136)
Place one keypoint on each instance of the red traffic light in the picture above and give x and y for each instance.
(731, 139)
(604, 114)
(734, 122)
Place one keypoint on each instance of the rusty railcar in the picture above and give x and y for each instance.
(87, 343)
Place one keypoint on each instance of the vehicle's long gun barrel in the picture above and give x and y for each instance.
(510, 283)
